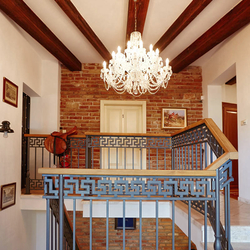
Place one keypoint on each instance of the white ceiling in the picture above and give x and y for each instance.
(108, 19)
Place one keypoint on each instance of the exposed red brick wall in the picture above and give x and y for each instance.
(82, 91)
(132, 236)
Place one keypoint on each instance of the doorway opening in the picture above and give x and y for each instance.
(230, 129)
(25, 130)
(123, 117)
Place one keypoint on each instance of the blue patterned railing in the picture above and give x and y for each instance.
(191, 165)
(203, 187)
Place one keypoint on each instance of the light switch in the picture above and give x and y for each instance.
(244, 122)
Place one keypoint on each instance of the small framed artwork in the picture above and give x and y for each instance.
(10, 92)
(174, 118)
(8, 195)
(130, 223)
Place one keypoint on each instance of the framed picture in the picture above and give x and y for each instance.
(10, 92)
(130, 223)
(8, 195)
(174, 118)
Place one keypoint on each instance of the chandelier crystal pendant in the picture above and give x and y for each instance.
(136, 71)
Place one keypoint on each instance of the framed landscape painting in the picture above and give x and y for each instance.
(8, 195)
(10, 92)
(174, 118)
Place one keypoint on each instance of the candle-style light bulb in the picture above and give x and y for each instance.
(167, 62)
(5, 134)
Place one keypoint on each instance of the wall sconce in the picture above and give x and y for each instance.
(5, 128)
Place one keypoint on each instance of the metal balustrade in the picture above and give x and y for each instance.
(108, 151)
(39, 157)
(192, 165)
(196, 148)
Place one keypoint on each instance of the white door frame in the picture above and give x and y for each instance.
(104, 103)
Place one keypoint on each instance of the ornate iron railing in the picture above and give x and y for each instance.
(94, 185)
(39, 157)
(191, 165)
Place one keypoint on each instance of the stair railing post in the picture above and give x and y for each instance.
(217, 236)
(27, 189)
(61, 212)
(27, 179)
(47, 224)
(87, 152)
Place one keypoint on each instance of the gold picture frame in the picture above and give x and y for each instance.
(174, 118)
(10, 92)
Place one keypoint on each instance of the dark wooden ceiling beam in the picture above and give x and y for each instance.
(141, 13)
(234, 20)
(74, 15)
(186, 17)
(19, 12)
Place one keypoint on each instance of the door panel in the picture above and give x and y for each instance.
(230, 129)
(113, 122)
(132, 120)
(123, 119)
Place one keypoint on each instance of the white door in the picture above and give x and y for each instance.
(123, 117)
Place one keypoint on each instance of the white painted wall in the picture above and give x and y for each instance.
(233, 55)
(45, 109)
(22, 65)
(216, 94)
(35, 224)
(229, 93)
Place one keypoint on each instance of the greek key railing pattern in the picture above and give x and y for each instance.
(38, 157)
(36, 184)
(128, 142)
(77, 143)
(225, 174)
(133, 188)
(36, 142)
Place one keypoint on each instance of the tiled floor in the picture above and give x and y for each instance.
(240, 213)
(240, 224)
(240, 216)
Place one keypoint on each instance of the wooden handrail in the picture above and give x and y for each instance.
(46, 135)
(127, 134)
(220, 161)
(125, 172)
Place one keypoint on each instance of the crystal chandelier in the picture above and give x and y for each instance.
(136, 71)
